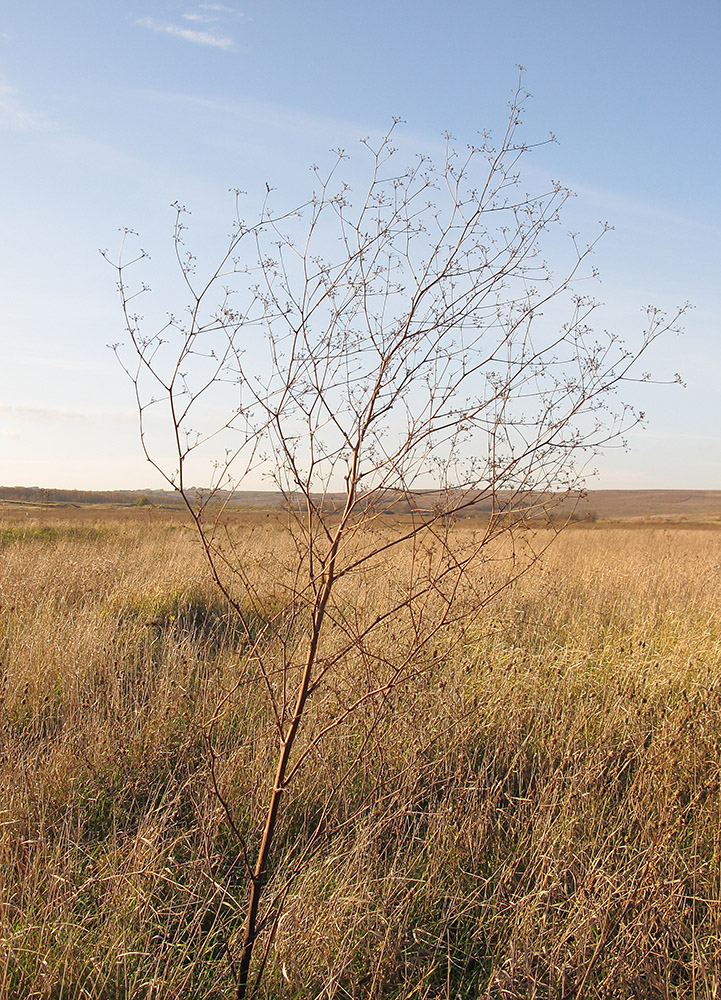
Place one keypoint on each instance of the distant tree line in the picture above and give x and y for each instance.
(425, 503)
(37, 494)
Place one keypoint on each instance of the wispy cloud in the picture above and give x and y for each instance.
(220, 8)
(42, 414)
(212, 13)
(13, 112)
(317, 129)
(62, 364)
(207, 38)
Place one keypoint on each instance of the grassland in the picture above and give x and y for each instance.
(537, 814)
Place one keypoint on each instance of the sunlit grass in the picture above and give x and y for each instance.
(537, 814)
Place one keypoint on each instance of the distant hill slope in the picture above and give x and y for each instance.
(623, 505)
(603, 505)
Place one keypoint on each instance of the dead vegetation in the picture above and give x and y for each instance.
(534, 812)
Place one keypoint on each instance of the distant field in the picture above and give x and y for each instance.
(537, 813)
(621, 505)
(614, 505)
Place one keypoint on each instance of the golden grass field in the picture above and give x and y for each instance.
(535, 814)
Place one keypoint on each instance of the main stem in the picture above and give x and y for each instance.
(258, 878)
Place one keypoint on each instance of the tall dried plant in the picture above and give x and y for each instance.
(408, 351)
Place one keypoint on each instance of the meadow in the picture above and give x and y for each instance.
(535, 812)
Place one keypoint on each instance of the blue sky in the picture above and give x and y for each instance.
(110, 112)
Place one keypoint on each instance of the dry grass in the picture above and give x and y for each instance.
(536, 815)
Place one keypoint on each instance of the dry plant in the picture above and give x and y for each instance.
(399, 350)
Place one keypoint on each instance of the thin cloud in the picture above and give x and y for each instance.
(14, 114)
(220, 8)
(323, 130)
(212, 13)
(40, 414)
(188, 34)
(63, 364)
(621, 205)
